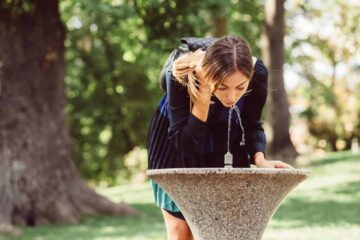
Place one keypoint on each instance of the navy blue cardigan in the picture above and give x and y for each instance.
(178, 139)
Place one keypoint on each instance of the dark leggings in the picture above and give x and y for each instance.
(176, 214)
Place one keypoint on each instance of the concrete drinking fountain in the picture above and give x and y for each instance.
(228, 203)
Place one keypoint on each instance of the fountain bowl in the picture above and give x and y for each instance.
(228, 203)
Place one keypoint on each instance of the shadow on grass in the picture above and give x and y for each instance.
(336, 157)
(150, 226)
(305, 212)
(349, 188)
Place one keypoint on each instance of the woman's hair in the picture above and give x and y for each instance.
(224, 57)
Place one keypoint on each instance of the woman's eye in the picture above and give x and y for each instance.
(222, 89)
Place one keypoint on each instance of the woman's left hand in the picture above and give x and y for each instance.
(263, 163)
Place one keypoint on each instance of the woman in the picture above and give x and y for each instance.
(190, 125)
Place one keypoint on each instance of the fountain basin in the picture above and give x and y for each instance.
(228, 203)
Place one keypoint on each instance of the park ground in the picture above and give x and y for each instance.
(325, 206)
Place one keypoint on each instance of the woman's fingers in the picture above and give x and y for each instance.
(185, 66)
(182, 66)
(181, 72)
(280, 164)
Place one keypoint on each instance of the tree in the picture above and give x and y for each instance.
(326, 60)
(37, 172)
(281, 146)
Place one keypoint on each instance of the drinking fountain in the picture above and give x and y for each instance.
(228, 203)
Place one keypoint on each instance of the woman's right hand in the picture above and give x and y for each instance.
(187, 69)
(204, 86)
(203, 95)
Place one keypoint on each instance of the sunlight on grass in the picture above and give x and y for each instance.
(325, 206)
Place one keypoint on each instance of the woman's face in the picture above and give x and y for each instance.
(232, 88)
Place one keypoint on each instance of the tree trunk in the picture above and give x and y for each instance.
(39, 182)
(281, 146)
(218, 17)
(219, 25)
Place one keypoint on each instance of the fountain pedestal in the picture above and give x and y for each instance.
(228, 204)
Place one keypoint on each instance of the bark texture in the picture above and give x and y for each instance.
(281, 146)
(39, 182)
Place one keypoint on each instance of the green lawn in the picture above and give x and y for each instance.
(324, 207)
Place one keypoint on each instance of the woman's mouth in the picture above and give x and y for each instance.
(229, 104)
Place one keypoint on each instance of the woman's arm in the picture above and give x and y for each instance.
(186, 128)
(253, 105)
(254, 133)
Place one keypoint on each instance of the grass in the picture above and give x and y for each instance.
(325, 206)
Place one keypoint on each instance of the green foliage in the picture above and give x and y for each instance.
(109, 98)
(246, 18)
(325, 57)
(15, 8)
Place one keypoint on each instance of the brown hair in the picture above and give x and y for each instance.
(224, 57)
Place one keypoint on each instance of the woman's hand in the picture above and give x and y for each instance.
(261, 162)
(188, 71)
(199, 73)
(198, 56)
(272, 164)
(204, 86)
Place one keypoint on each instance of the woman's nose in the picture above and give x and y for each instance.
(231, 97)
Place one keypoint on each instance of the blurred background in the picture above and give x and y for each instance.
(80, 82)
